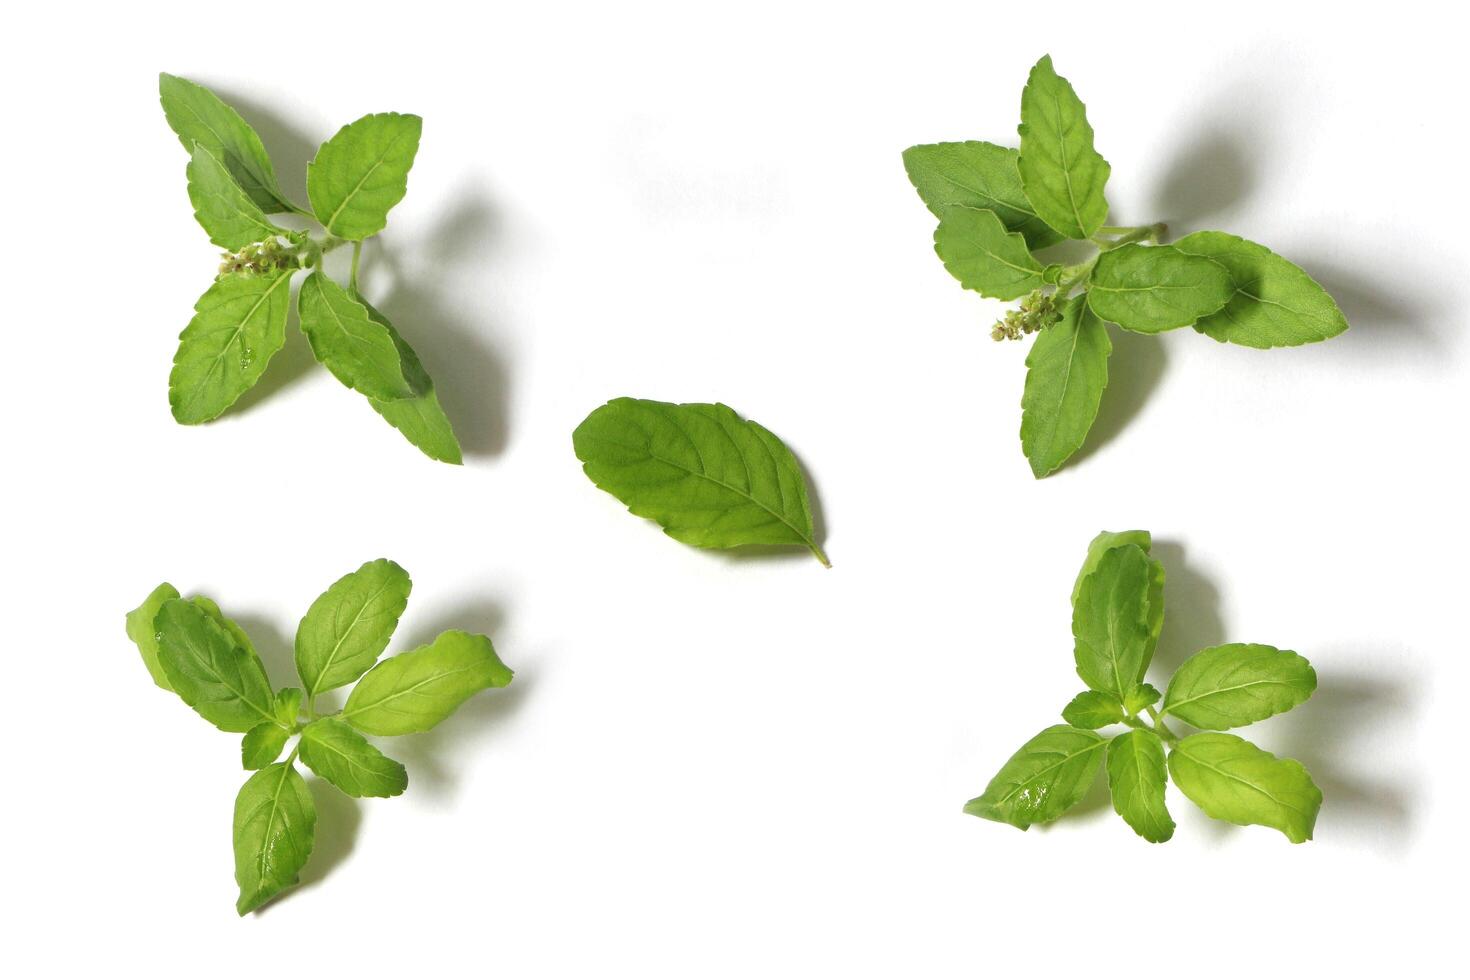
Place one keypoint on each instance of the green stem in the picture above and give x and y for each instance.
(1126, 236)
(356, 254)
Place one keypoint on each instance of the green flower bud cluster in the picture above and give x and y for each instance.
(259, 259)
(1037, 312)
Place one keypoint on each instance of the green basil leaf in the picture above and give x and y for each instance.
(348, 626)
(1153, 288)
(707, 476)
(1275, 303)
(348, 761)
(1066, 372)
(225, 212)
(414, 691)
(288, 707)
(360, 173)
(1237, 684)
(978, 251)
(210, 670)
(145, 636)
(420, 418)
(275, 827)
(976, 175)
(262, 745)
(1108, 540)
(1093, 709)
(358, 351)
(1230, 779)
(1141, 698)
(199, 117)
(1064, 176)
(212, 609)
(1110, 622)
(239, 324)
(1044, 779)
(1136, 779)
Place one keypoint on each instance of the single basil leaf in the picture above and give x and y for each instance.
(1230, 779)
(143, 634)
(358, 351)
(1136, 779)
(1093, 709)
(978, 251)
(288, 706)
(210, 670)
(414, 691)
(199, 118)
(1153, 288)
(1064, 176)
(348, 761)
(976, 175)
(239, 324)
(275, 827)
(709, 477)
(262, 745)
(348, 626)
(1275, 303)
(1237, 684)
(225, 212)
(1044, 779)
(360, 173)
(1110, 622)
(420, 418)
(1141, 698)
(1108, 540)
(1066, 372)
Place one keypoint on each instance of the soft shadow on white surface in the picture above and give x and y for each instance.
(1135, 369)
(436, 759)
(1349, 710)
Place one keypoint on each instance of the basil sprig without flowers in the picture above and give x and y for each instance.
(239, 323)
(191, 648)
(1000, 209)
(1117, 614)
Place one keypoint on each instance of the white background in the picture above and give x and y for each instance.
(708, 766)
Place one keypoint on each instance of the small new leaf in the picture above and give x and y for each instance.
(262, 745)
(1066, 372)
(1093, 709)
(348, 627)
(275, 828)
(1153, 288)
(1044, 779)
(350, 343)
(1064, 176)
(977, 250)
(976, 175)
(1237, 684)
(414, 691)
(1230, 779)
(707, 476)
(360, 173)
(338, 754)
(1137, 781)
(1275, 303)
(1141, 698)
(239, 324)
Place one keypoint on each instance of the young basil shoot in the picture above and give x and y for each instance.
(1117, 613)
(239, 323)
(1001, 209)
(194, 650)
